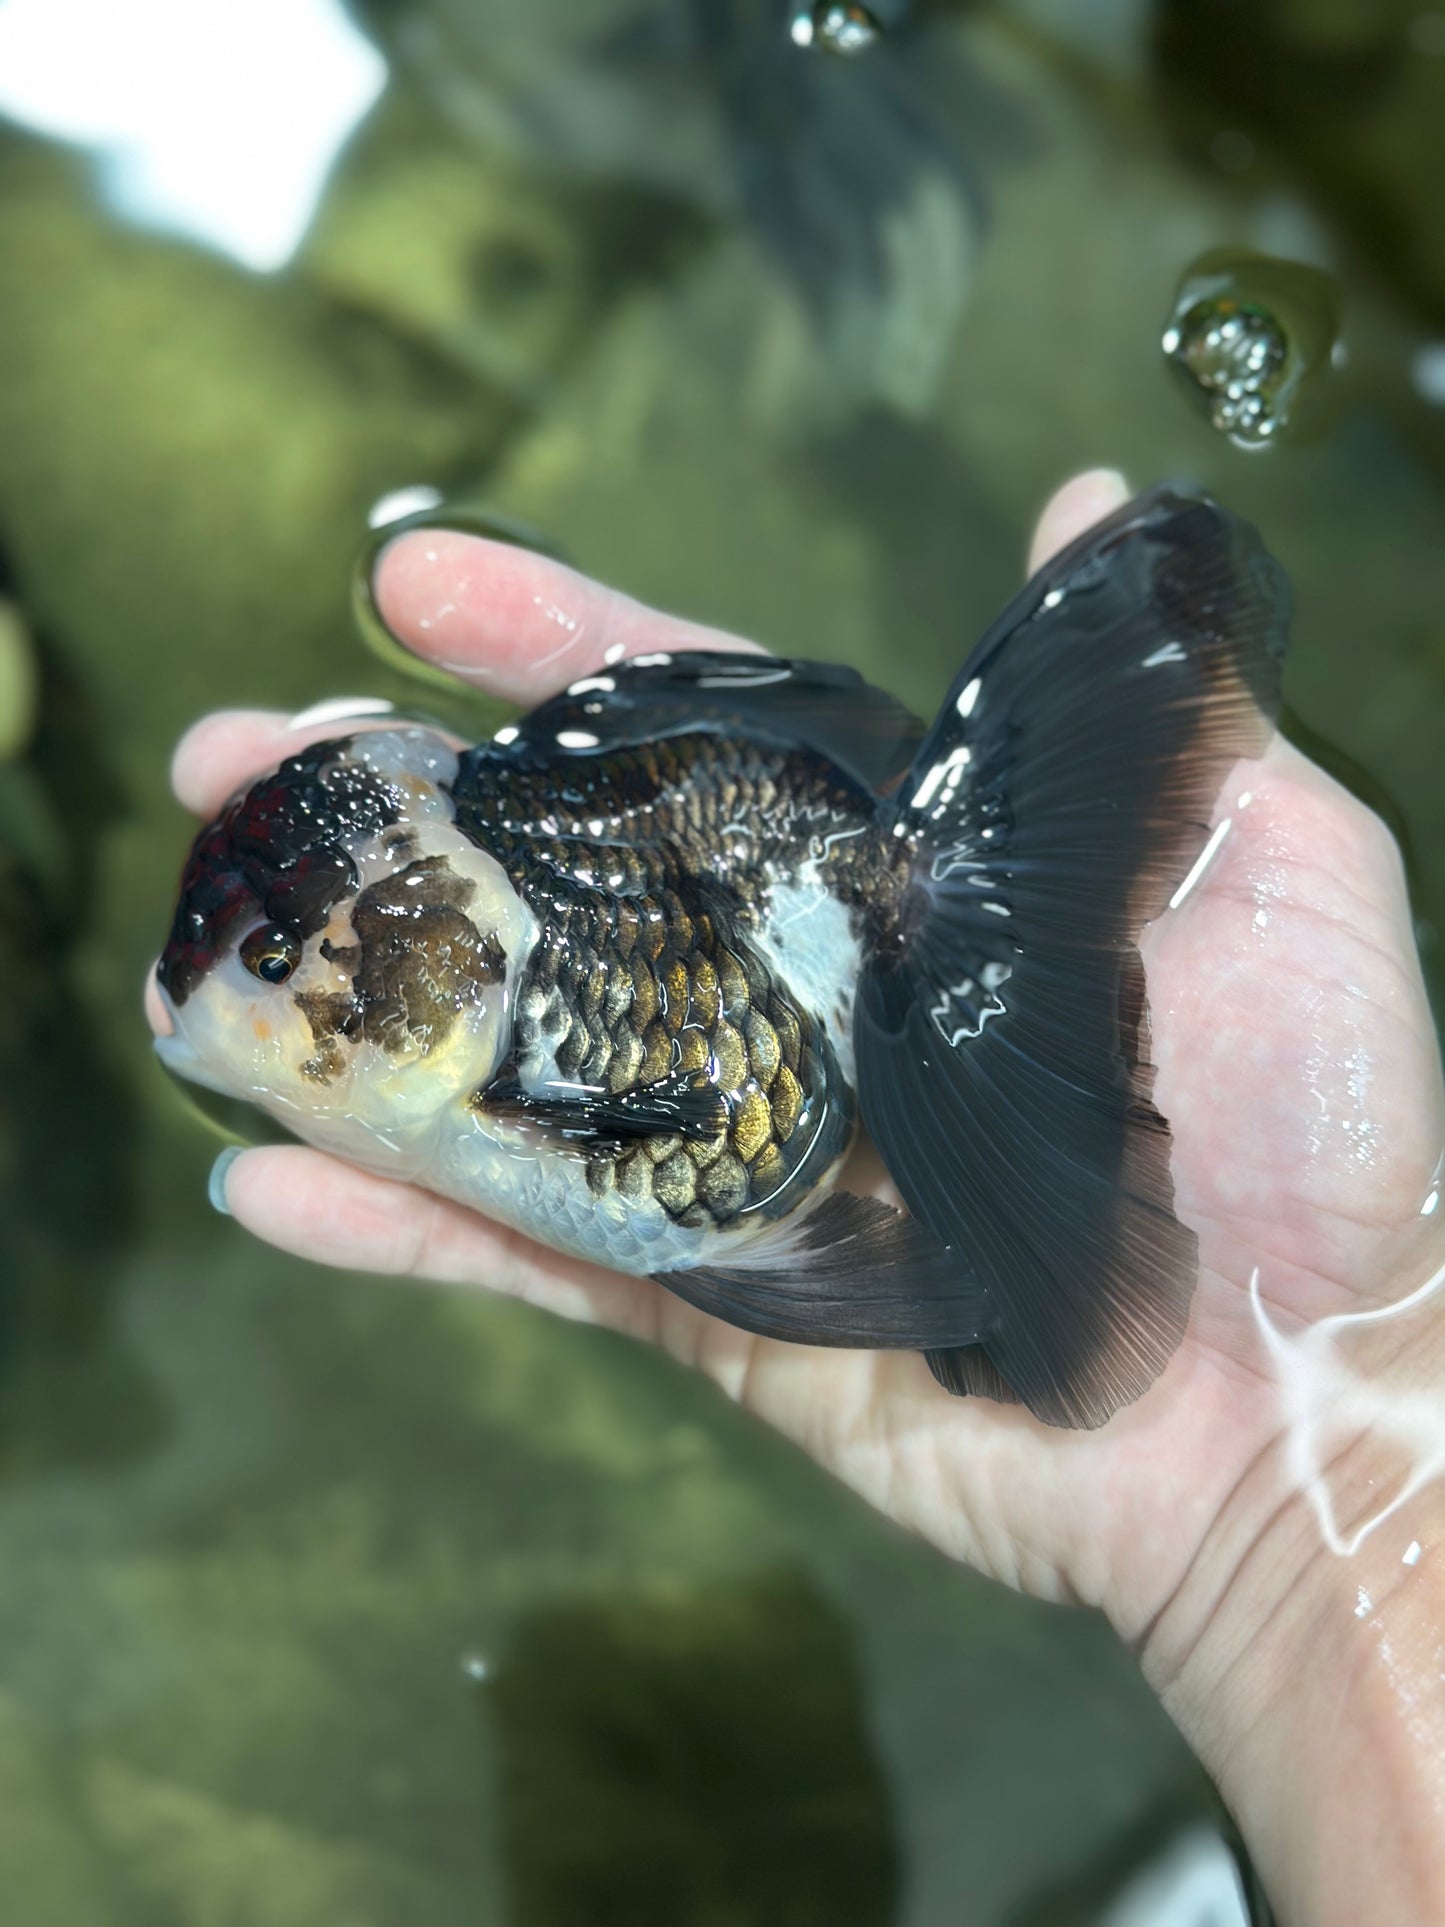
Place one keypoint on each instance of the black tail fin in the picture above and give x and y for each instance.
(1003, 1046)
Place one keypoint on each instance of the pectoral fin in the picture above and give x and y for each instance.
(686, 1106)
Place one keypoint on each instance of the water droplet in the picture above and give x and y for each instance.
(834, 27)
(1252, 336)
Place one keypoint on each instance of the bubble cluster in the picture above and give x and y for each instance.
(1236, 354)
(1252, 336)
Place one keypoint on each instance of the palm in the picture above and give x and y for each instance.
(1296, 1063)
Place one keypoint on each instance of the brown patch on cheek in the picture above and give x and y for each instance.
(331, 1015)
(328, 1063)
(418, 963)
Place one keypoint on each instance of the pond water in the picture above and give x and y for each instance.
(328, 1600)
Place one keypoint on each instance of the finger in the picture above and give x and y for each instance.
(229, 748)
(1290, 818)
(1077, 506)
(518, 623)
(329, 1213)
(222, 751)
(522, 624)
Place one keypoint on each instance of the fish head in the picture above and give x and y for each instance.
(341, 954)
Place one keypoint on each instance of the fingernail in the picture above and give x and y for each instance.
(424, 510)
(401, 504)
(220, 1171)
(341, 709)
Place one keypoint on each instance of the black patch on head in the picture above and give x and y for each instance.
(278, 853)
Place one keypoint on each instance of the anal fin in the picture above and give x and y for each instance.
(968, 1372)
(855, 1272)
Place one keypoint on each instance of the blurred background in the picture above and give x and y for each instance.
(325, 1600)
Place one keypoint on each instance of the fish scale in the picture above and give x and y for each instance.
(639, 981)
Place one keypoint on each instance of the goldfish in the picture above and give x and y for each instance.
(633, 975)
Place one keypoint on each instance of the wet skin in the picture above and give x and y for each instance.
(1298, 1065)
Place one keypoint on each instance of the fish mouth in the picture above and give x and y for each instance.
(162, 1021)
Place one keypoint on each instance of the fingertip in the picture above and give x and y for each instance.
(1081, 502)
(220, 752)
(229, 749)
(514, 620)
(475, 606)
(190, 759)
(256, 1179)
(405, 581)
(1109, 481)
(316, 1206)
(290, 1196)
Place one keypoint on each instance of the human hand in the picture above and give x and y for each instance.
(1297, 1065)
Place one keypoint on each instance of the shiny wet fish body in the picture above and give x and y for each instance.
(629, 976)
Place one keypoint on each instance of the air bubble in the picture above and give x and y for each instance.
(1252, 336)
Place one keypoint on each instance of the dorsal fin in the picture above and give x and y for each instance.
(768, 699)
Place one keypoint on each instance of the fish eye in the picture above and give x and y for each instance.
(271, 953)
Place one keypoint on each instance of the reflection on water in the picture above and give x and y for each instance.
(1328, 1396)
(860, 180)
(724, 319)
(834, 28)
(209, 120)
